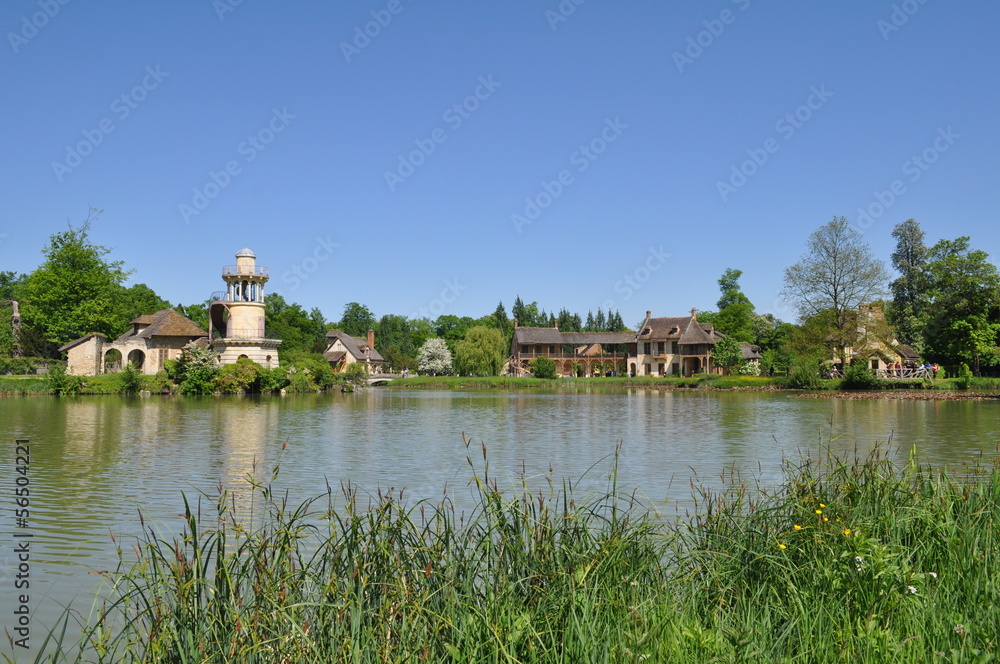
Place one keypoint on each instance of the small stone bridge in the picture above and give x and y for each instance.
(383, 378)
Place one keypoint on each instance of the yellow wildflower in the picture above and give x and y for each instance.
(819, 511)
(797, 527)
(822, 505)
(825, 519)
(782, 546)
(847, 531)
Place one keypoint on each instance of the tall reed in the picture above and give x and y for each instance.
(848, 559)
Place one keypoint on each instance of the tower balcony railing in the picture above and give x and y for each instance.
(239, 270)
(249, 333)
(224, 296)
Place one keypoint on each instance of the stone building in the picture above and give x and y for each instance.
(149, 342)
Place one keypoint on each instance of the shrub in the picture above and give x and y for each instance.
(805, 377)
(242, 376)
(322, 373)
(749, 369)
(543, 367)
(300, 380)
(860, 377)
(272, 380)
(964, 380)
(61, 383)
(19, 365)
(130, 379)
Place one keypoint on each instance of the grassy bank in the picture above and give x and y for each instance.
(848, 560)
(670, 382)
(699, 381)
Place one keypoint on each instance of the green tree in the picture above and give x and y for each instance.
(727, 354)
(964, 321)
(569, 322)
(482, 351)
(452, 329)
(421, 330)
(394, 340)
(839, 274)
(729, 287)
(600, 322)
(142, 300)
(393, 332)
(356, 320)
(908, 314)
(75, 291)
(503, 323)
(301, 333)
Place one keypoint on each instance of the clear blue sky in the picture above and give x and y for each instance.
(131, 107)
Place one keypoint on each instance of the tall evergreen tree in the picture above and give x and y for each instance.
(600, 322)
(518, 312)
(502, 322)
(909, 290)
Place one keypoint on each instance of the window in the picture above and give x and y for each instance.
(660, 368)
(645, 348)
(660, 347)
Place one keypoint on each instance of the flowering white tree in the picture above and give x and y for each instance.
(434, 357)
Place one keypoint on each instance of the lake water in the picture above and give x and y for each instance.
(96, 461)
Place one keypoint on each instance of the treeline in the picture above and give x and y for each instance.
(77, 290)
(944, 303)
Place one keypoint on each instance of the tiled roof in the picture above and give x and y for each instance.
(164, 323)
(663, 328)
(77, 342)
(696, 333)
(552, 335)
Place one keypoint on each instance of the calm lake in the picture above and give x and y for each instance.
(96, 461)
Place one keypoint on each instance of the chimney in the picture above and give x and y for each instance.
(515, 322)
(649, 314)
(694, 314)
(371, 339)
(556, 324)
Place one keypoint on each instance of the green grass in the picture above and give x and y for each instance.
(849, 560)
(669, 382)
(23, 385)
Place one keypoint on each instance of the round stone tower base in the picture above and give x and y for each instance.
(262, 351)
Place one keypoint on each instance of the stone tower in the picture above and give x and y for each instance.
(236, 317)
